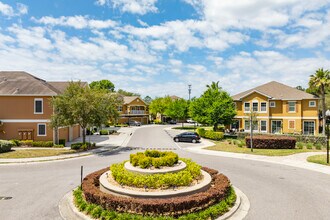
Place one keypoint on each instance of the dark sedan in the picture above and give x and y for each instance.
(187, 137)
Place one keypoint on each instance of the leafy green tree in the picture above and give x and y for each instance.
(300, 88)
(178, 109)
(213, 107)
(103, 84)
(126, 93)
(159, 105)
(81, 105)
(320, 82)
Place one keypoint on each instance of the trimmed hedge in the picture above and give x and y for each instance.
(82, 146)
(271, 142)
(166, 180)
(97, 212)
(5, 146)
(104, 132)
(213, 135)
(174, 206)
(153, 158)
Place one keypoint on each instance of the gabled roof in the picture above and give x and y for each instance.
(174, 97)
(276, 90)
(15, 83)
(129, 99)
(61, 86)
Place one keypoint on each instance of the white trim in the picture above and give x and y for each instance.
(309, 103)
(271, 126)
(294, 124)
(270, 104)
(41, 135)
(266, 126)
(25, 120)
(279, 117)
(260, 108)
(256, 92)
(36, 95)
(295, 107)
(42, 106)
(255, 101)
(248, 124)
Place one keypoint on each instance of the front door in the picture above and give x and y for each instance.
(276, 127)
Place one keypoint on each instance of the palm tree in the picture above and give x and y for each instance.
(320, 81)
(214, 86)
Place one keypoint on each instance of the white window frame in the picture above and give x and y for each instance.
(41, 135)
(120, 108)
(253, 102)
(271, 125)
(42, 106)
(295, 108)
(272, 104)
(261, 126)
(310, 105)
(249, 106)
(294, 124)
(265, 107)
(248, 122)
(304, 127)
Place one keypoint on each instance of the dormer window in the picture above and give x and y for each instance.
(312, 103)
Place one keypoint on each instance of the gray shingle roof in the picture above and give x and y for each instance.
(23, 83)
(276, 90)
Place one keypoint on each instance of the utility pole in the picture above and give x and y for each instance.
(189, 91)
(251, 132)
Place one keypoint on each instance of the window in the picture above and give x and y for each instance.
(246, 125)
(309, 127)
(41, 129)
(246, 106)
(38, 106)
(263, 126)
(291, 124)
(312, 104)
(263, 107)
(276, 127)
(272, 104)
(255, 125)
(292, 106)
(120, 108)
(255, 106)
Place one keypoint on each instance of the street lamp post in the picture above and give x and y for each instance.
(327, 121)
(189, 90)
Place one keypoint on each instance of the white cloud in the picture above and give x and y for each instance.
(78, 22)
(140, 7)
(22, 9)
(142, 23)
(6, 10)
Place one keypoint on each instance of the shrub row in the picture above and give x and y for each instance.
(175, 206)
(31, 143)
(213, 135)
(82, 146)
(166, 180)
(154, 158)
(5, 146)
(98, 212)
(271, 142)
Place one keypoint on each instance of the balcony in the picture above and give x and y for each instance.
(136, 112)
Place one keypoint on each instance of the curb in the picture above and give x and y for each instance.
(240, 209)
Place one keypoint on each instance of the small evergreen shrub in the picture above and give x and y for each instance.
(318, 146)
(309, 146)
(299, 145)
(16, 142)
(154, 158)
(5, 146)
(201, 132)
(213, 135)
(58, 146)
(104, 132)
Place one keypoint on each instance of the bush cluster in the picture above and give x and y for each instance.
(213, 135)
(175, 206)
(166, 180)
(98, 212)
(5, 146)
(104, 132)
(154, 158)
(271, 142)
(82, 146)
(31, 143)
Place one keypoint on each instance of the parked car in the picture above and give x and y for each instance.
(187, 137)
(134, 123)
(190, 121)
(172, 122)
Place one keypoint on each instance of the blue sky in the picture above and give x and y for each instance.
(158, 47)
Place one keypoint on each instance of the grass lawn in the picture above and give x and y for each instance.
(227, 147)
(321, 159)
(31, 153)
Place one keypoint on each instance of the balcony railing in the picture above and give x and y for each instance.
(136, 112)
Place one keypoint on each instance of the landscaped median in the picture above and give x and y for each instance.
(320, 159)
(105, 194)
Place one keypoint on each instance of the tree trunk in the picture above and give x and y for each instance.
(215, 127)
(84, 135)
(323, 112)
(56, 136)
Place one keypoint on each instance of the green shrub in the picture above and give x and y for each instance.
(318, 146)
(62, 142)
(76, 146)
(83, 147)
(309, 146)
(145, 162)
(5, 146)
(26, 143)
(42, 144)
(240, 144)
(104, 132)
(181, 178)
(146, 159)
(299, 145)
(213, 135)
(16, 142)
(237, 142)
(58, 146)
(201, 132)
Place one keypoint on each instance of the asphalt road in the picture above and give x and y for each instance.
(274, 191)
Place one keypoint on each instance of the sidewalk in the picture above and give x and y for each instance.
(106, 143)
(295, 160)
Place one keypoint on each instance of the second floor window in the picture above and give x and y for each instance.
(263, 107)
(246, 106)
(292, 106)
(255, 106)
(38, 106)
